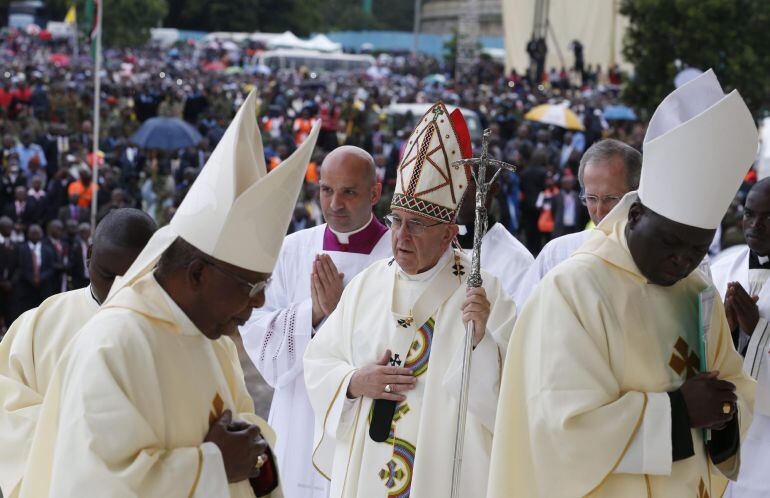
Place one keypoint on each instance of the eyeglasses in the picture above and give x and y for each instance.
(594, 200)
(413, 227)
(254, 289)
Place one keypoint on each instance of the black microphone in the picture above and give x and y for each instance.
(382, 413)
(382, 419)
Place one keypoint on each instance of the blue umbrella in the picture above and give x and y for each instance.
(619, 113)
(166, 134)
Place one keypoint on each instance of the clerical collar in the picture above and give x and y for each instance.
(360, 241)
(429, 273)
(344, 237)
(757, 262)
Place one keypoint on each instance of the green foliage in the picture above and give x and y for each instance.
(302, 17)
(125, 22)
(730, 36)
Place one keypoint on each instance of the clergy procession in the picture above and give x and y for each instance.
(427, 356)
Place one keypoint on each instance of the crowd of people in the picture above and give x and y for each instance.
(46, 125)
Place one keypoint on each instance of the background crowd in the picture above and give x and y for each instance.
(46, 92)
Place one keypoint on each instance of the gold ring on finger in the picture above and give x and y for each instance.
(261, 460)
(727, 407)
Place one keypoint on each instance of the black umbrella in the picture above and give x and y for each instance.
(166, 134)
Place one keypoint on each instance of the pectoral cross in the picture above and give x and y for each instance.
(395, 360)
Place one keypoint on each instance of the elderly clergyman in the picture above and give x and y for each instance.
(603, 392)
(149, 399)
(397, 335)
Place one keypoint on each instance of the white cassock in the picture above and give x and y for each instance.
(553, 253)
(418, 318)
(277, 335)
(130, 403)
(556, 251)
(28, 354)
(732, 265)
(506, 258)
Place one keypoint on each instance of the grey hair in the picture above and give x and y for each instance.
(604, 150)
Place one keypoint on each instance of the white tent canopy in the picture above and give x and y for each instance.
(323, 44)
(287, 39)
(319, 43)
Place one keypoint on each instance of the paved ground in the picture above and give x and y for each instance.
(260, 392)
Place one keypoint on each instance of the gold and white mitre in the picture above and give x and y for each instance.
(235, 211)
(698, 147)
(427, 182)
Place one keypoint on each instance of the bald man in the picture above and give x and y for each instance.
(740, 274)
(31, 348)
(314, 266)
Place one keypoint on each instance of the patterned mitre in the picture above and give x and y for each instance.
(427, 182)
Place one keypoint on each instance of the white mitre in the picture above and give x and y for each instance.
(235, 211)
(699, 145)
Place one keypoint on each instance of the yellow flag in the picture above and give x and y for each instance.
(71, 17)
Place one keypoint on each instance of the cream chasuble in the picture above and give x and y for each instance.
(131, 402)
(28, 355)
(418, 318)
(583, 407)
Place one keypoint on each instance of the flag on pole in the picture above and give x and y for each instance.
(92, 16)
(71, 17)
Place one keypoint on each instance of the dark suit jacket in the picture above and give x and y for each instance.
(8, 264)
(80, 215)
(77, 265)
(7, 187)
(558, 214)
(28, 215)
(27, 294)
(61, 261)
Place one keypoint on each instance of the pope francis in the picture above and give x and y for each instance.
(149, 399)
(604, 391)
(383, 373)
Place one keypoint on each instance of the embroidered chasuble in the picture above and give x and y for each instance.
(28, 355)
(418, 318)
(132, 400)
(583, 407)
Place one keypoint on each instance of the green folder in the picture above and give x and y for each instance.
(705, 309)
